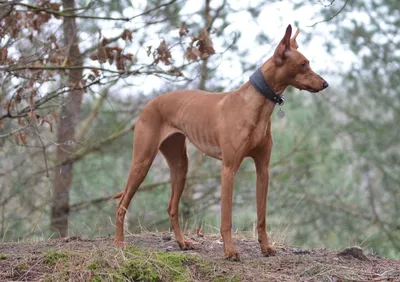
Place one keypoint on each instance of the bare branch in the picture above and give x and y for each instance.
(153, 9)
(6, 9)
(96, 107)
(333, 16)
(67, 15)
(96, 147)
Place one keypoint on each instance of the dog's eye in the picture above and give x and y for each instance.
(303, 65)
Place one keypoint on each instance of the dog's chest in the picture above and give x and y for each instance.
(262, 130)
(260, 134)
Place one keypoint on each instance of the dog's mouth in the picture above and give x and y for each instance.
(312, 90)
(309, 89)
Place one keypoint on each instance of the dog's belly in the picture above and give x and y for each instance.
(203, 141)
(209, 150)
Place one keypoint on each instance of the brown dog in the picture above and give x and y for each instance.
(227, 126)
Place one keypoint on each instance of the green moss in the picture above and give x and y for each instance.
(236, 278)
(96, 278)
(22, 266)
(221, 278)
(3, 256)
(153, 266)
(92, 266)
(133, 264)
(137, 271)
(52, 257)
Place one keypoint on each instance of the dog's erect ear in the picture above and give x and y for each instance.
(293, 42)
(283, 46)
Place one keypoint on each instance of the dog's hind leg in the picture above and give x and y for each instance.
(146, 142)
(174, 150)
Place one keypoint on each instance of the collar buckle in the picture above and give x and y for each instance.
(280, 100)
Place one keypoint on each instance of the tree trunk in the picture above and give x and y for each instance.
(187, 197)
(65, 137)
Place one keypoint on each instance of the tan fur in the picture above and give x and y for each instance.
(227, 126)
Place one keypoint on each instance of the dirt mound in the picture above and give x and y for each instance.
(156, 257)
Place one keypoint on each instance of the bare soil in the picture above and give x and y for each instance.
(26, 261)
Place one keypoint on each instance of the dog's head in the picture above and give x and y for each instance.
(293, 68)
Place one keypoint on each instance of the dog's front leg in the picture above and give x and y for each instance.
(261, 159)
(228, 174)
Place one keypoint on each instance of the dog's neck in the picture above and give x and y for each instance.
(252, 97)
(268, 70)
(257, 105)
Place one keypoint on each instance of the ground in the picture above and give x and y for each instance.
(156, 257)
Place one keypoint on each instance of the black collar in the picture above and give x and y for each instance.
(259, 83)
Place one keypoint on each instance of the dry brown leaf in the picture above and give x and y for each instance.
(23, 136)
(110, 54)
(51, 126)
(3, 55)
(192, 53)
(175, 71)
(55, 116)
(163, 53)
(120, 62)
(33, 116)
(129, 57)
(16, 137)
(127, 35)
(204, 44)
(105, 41)
(21, 122)
(183, 30)
(94, 56)
(101, 54)
(96, 72)
(18, 99)
(48, 122)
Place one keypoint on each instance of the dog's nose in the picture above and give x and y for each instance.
(325, 84)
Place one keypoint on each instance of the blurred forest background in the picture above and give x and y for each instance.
(75, 74)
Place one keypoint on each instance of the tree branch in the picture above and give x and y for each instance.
(331, 17)
(96, 107)
(67, 15)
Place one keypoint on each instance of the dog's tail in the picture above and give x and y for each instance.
(117, 196)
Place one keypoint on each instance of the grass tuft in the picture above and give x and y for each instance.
(52, 257)
(153, 266)
(92, 266)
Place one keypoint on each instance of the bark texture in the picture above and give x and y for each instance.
(69, 115)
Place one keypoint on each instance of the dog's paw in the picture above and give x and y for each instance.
(234, 256)
(120, 244)
(186, 245)
(231, 254)
(269, 252)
